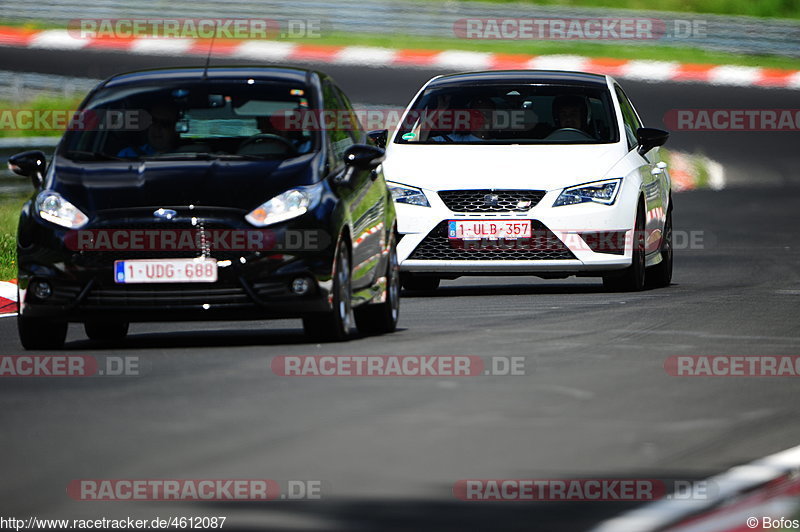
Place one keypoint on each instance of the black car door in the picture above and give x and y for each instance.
(364, 195)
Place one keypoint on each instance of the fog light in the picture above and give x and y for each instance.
(42, 290)
(301, 286)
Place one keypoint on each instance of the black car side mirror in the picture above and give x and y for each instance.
(649, 138)
(364, 157)
(29, 164)
(380, 137)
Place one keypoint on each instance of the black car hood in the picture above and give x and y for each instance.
(238, 184)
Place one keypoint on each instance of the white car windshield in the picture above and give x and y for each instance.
(510, 114)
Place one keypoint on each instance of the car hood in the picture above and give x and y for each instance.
(242, 185)
(443, 167)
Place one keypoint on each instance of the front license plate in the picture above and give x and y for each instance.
(489, 229)
(165, 271)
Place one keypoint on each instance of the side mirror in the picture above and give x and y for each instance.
(29, 164)
(363, 157)
(380, 137)
(650, 138)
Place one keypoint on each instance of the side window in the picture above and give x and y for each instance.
(355, 128)
(629, 117)
(339, 138)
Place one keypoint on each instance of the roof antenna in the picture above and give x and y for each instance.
(210, 48)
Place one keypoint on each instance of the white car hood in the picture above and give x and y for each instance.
(461, 166)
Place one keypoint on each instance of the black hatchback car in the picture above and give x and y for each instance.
(208, 194)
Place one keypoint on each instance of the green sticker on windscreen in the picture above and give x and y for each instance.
(409, 136)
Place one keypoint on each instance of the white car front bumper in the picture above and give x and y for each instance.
(567, 223)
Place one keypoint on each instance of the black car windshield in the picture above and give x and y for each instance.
(510, 114)
(247, 119)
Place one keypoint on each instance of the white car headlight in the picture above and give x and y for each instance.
(285, 206)
(405, 194)
(52, 207)
(604, 192)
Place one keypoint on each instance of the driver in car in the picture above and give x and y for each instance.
(274, 140)
(161, 135)
(481, 123)
(570, 112)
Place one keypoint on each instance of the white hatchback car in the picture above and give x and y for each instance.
(544, 173)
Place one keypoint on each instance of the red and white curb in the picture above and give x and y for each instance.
(282, 51)
(8, 299)
(742, 497)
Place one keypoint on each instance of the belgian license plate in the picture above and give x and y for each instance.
(165, 271)
(488, 229)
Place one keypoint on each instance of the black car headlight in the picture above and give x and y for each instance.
(53, 208)
(285, 206)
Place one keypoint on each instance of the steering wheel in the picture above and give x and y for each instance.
(564, 134)
(269, 137)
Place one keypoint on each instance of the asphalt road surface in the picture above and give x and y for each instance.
(595, 401)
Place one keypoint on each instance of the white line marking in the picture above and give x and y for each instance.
(735, 481)
(8, 290)
(57, 40)
(161, 46)
(264, 50)
(734, 75)
(559, 62)
(457, 60)
(650, 70)
(366, 55)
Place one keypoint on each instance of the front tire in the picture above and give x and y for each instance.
(632, 278)
(335, 326)
(660, 275)
(40, 333)
(381, 318)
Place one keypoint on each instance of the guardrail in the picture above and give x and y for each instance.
(422, 18)
(17, 87)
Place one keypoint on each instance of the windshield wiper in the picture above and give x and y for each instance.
(92, 155)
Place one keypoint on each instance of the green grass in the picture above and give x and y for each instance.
(753, 8)
(617, 51)
(12, 124)
(10, 206)
(589, 49)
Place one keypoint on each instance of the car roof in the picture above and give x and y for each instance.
(547, 77)
(214, 73)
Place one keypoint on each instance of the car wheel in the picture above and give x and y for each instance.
(632, 278)
(106, 331)
(414, 283)
(381, 318)
(660, 275)
(39, 333)
(336, 325)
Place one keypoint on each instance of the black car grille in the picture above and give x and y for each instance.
(544, 245)
(188, 242)
(183, 296)
(491, 200)
(165, 297)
